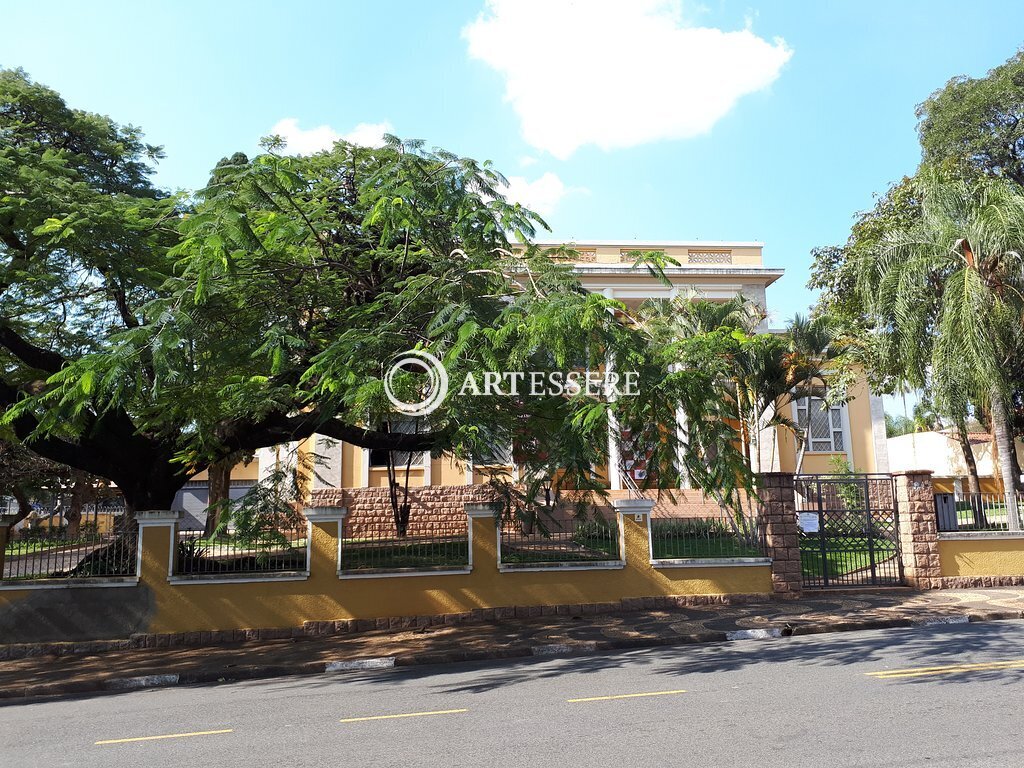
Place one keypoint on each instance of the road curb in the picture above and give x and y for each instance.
(549, 650)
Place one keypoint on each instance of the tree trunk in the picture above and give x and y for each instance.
(219, 491)
(1004, 441)
(74, 516)
(973, 481)
(24, 505)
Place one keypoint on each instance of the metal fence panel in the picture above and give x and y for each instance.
(271, 551)
(560, 540)
(48, 553)
(848, 530)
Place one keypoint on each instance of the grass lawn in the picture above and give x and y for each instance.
(673, 547)
(15, 548)
(360, 555)
(994, 514)
(843, 555)
(578, 549)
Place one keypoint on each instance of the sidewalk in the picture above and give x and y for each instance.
(830, 612)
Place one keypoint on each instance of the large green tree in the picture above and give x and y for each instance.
(145, 336)
(976, 125)
(969, 129)
(947, 298)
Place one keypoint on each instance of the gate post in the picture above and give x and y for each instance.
(919, 534)
(781, 532)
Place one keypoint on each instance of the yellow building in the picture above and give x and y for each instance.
(716, 271)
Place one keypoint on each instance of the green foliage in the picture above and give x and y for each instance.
(850, 494)
(975, 126)
(144, 336)
(896, 425)
(267, 513)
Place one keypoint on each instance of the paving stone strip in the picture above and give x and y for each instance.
(125, 668)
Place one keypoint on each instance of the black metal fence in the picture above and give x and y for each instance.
(228, 553)
(48, 553)
(974, 511)
(725, 536)
(848, 530)
(385, 551)
(560, 542)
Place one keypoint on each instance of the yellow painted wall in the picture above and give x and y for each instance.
(858, 410)
(982, 556)
(945, 485)
(612, 254)
(190, 607)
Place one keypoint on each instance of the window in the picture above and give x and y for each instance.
(709, 257)
(497, 455)
(379, 457)
(823, 425)
(629, 255)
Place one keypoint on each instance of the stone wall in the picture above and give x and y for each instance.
(437, 510)
(781, 533)
(918, 530)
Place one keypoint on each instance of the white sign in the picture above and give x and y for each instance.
(808, 522)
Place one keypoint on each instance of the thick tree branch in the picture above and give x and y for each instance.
(281, 428)
(29, 353)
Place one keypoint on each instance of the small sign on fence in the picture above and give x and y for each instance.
(808, 522)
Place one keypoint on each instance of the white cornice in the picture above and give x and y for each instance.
(632, 244)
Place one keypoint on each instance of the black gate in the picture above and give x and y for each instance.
(848, 530)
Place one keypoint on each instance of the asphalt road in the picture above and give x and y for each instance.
(936, 696)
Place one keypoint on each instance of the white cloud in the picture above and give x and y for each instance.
(526, 161)
(307, 141)
(541, 195)
(617, 74)
(369, 134)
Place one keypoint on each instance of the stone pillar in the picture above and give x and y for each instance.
(158, 539)
(5, 536)
(326, 529)
(634, 518)
(483, 532)
(781, 532)
(918, 528)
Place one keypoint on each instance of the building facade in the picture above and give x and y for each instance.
(717, 271)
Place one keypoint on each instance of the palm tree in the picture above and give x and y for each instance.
(947, 299)
(767, 372)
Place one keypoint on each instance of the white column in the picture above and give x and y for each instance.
(326, 462)
(614, 462)
(614, 459)
(277, 458)
(878, 437)
(768, 459)
(469, 471)
(364, 469)
(682, 434)
(427, 468)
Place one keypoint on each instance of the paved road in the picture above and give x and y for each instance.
(937, 696)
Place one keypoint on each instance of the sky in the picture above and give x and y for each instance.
(769, 121)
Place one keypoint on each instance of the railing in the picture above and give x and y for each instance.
(675, 538)
(979, 512)
(271, 551)
(557, 543)
(378, 551)
(48, 553)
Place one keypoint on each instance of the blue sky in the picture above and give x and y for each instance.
(802, 110)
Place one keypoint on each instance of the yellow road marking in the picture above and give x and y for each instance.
(165, 736)
(624, 696)
(949, 669)
(407, 714)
